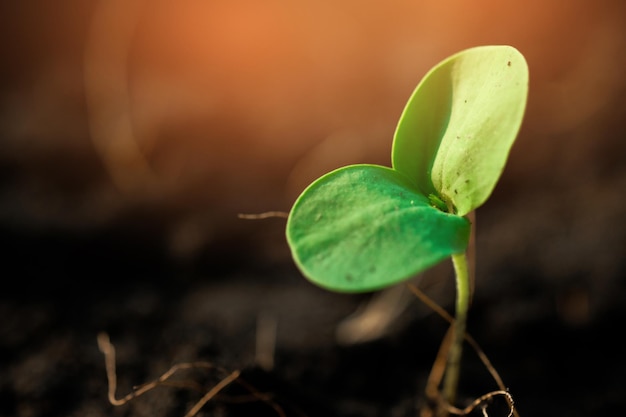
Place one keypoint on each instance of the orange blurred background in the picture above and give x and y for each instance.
(173, 117)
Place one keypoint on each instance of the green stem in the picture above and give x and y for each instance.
(463, 294)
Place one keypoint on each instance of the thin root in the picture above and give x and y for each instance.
(265, 215)
(482, 402)
(108, 350)
(438, 368)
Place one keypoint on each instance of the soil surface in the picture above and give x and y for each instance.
(556, 355)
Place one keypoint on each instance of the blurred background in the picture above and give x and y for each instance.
(161, 123)
(134, 132)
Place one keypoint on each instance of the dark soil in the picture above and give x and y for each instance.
(61, 290)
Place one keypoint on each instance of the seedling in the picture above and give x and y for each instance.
(365, 227)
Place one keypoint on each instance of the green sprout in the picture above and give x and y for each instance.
(365, 227)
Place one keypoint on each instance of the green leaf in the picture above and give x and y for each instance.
(365, 227)
(455, 133)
